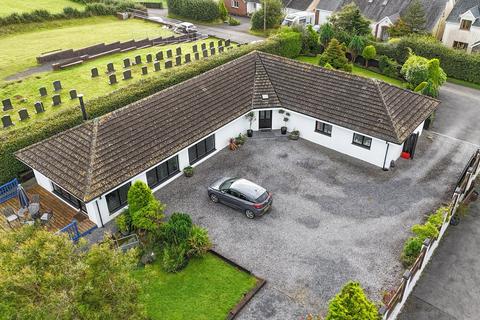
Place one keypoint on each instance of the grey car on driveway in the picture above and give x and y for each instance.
(241, 194)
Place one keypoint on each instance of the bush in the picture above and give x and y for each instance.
(334, 55)
(456, 64)
(424, 231)
(124, 221)
(419, 69)
(288, 43)
(388, 67)
(177, 230)
(411, 250)
(174, 258)
(222, 10)
(232, 21)
(274, 15)
(310, 41)
(198, 242)
(15, 139)
(437, 218)
(201, 10)
(351, 303)
(146, 211)
(368, 53)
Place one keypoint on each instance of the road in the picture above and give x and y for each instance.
(237, 34)
(449, 288)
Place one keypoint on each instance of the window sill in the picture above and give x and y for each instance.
(324, 133)
(164, 180)
(203, 156)
(361, 145)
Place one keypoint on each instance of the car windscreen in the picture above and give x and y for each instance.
(227, 184)
(262, 198)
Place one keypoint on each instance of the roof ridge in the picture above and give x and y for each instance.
(377, 85)
(259, 63)
(93, 153)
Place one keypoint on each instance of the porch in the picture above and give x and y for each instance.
(63, 214)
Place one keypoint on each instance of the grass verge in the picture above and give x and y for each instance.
(464, 83)
(8, 7)
(206, 289)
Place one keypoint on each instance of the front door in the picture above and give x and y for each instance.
(265, 120)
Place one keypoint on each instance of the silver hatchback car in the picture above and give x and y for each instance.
(241, 194)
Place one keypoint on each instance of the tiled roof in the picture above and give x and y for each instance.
(97, 156)
(300, 5)
(462, 6)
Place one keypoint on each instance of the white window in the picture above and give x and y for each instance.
(362, 141)
(460, 45)
(235, 4)
(465, 24)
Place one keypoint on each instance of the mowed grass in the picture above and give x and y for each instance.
(24, 93)
(357, 70)
(206, 289)
(19, 50)
(8, 7)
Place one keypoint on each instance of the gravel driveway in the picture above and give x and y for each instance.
(334, 218)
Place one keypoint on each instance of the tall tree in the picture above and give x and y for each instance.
(414, 17)
(222, 10)
(417, 70)
(310, 43)
(274, 15)
(325, 34)
(351, 21)
(351, 303)
(355, 47)
(399, 29)
(335, 56)
(46, 276)
(145, 210)
(368, 53)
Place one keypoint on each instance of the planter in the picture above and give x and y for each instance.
(293, 136)
(188, 171)
(249, 133)
(283, 130)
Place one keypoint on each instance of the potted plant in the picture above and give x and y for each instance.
(250, 117)
(124, 223)
(240, 140)
(283, 129)
(232, 145)
(294, 135)
(188, 171)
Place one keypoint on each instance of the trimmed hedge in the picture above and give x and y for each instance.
(15, 139)
(456, 64)
(200, 10)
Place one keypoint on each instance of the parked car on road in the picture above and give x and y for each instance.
(241, 194)
(185, 27)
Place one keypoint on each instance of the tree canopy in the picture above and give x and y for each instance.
(274, 15)
(356, 46)
(418, 69)
(146, 211)
(350, 21)
(414, 17)
(334, 55)
(352, 304)
(46, 276)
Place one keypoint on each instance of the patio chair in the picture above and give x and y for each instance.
(35, 198)
(10, 216)
(46, 218)
(33, 209)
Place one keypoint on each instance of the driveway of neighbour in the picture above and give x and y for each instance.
(449, 287)
(237, 34)
(334, 218)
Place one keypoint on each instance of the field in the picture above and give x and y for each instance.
(79, 78)
(8, 7)
(20, 49)
(206, 289)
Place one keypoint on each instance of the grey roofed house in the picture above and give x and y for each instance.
(463, 6)
(300, 5)
(98, 155)
(377, 10)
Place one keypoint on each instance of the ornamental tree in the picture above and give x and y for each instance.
(222, 10)
(145, 210)
(368, 53)
(414, 17)
(274, 15)
(352, 304)
(351, 21)
(46, 276)
(335, 56)
(325, 34)
(310, 43)
(418, 69)
(356, 46)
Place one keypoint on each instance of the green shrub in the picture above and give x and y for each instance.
(273, 18)
(368, 53)
(352, 304)
(456, 63)
(287, 43)
(424, 231)
(198, 242)
(411, 250)
(334, 55)
(388, 67)
(201, 10)
(177, 230)
(146, 211)
(419, 69)
(232, 21)
(222, 10)
(437, 218)
(174, 258)
(124, 221)
(310, 41)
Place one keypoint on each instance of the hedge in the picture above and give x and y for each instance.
(200, 10)
(15, 139)
(92, 8)
(456, 64)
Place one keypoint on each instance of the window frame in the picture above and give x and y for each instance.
(69, 198)
(203, 143)
(464, 45)
(235, 4)
(364, 138)
(465, 22)
(122, 204)
(322, 129)
(156, 171)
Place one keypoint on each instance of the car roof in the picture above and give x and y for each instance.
(248, 188)
(186, 24)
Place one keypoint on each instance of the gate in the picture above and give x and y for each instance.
(8, 190)
(72, 230)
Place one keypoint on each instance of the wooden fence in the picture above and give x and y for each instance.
(463, 190)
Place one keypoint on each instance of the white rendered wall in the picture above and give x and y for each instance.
(323, 16)
(43, 181)
(454, 33)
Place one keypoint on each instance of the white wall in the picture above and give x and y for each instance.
(43, 181)
(454, 33)
(323, 16)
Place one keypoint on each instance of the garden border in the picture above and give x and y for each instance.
(249, 295)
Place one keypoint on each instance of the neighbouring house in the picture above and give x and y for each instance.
(462, 30)
(93, 165)
(248, 7)
(384, 13)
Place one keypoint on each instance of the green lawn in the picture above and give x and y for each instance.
(206, 289)
(79, 78)
(8, 7)
(359, 71)
(20, 49)
(464, 83)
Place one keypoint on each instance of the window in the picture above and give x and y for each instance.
(69, 198)
(323, 128)
(235, 4)
(162, 172)
(460, 45)
(117, 199)
(465, 24)
(201, 149)
(362, 141)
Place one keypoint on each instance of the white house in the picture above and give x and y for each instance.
(462, 30)
(384, 13)
(92, 165)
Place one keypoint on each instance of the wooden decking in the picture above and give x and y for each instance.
(63, 214)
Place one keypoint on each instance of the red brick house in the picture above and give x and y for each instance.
(242, 7)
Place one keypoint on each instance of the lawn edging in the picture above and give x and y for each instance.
(250, 294)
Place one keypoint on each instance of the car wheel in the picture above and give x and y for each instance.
(249, 214)
(214, 198)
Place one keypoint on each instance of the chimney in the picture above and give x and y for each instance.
(82, 106)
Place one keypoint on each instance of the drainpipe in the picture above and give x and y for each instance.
(99, 213)
(385, 160)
